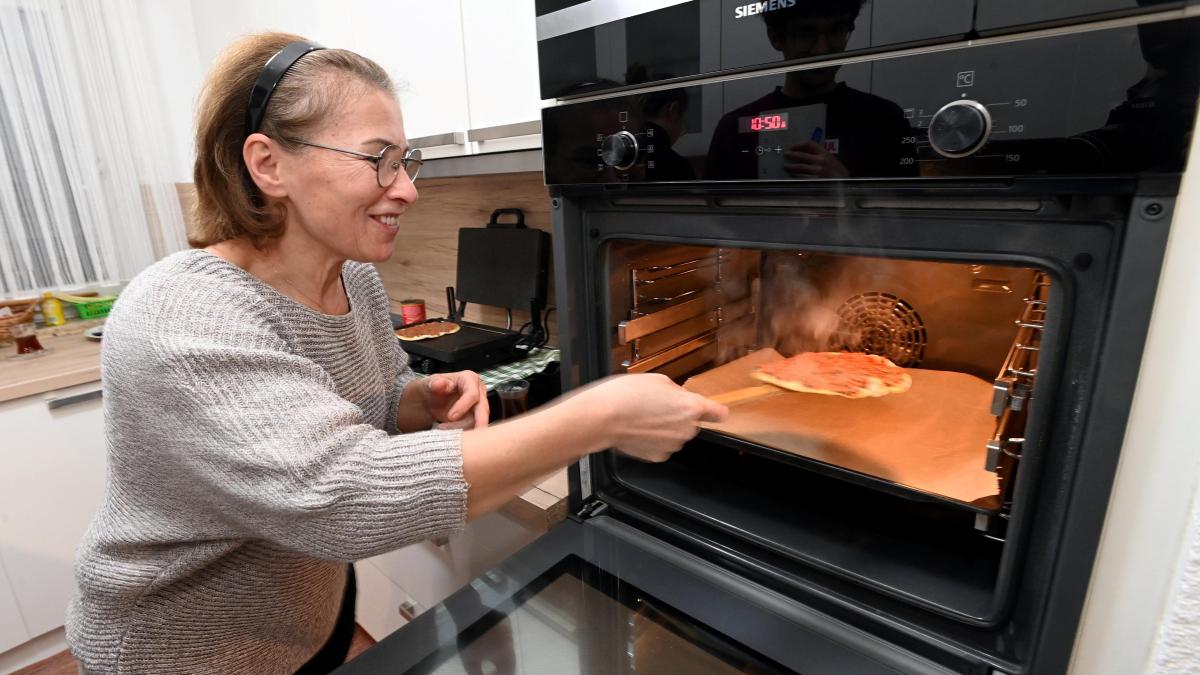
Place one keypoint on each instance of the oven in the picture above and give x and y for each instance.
(982, 197)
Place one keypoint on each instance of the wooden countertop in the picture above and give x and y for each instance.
(73, 360)
(543, 505)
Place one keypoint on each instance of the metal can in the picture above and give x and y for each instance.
(412, 311)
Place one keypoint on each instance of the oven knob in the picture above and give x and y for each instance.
(959, 128)
(620, 150)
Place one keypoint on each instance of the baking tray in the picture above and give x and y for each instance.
(929, 443)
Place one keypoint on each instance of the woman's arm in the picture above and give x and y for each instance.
(647, 417)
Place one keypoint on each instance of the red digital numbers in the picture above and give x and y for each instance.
(768, 123)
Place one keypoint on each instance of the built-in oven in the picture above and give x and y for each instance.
(980, 193)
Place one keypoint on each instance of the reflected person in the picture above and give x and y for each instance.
(664, 119)
(1151, 129)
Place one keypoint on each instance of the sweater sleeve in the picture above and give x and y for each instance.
(404, 375)
(260, 437)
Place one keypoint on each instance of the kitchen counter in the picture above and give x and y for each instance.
(73, 360)
(543, 505)
(76, 360)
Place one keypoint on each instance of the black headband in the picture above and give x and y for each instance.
(269, 78)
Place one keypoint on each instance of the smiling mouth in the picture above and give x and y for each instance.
(390, 222)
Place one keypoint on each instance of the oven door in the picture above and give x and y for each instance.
(599, 596)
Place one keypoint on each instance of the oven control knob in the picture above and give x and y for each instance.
(959, 128)
(620, 150)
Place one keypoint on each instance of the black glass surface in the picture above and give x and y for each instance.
(708, 37)
(547, 6)
(604, 597)
(577, 618)
(1117, 101)
(995, 14)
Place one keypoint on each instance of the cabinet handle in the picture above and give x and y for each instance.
(64, 401)
(408, 610)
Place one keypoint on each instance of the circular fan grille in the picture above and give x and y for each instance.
(883, 324)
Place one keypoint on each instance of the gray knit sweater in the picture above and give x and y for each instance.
(253, 451)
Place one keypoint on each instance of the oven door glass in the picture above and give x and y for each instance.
(876, 404)
(601, 597)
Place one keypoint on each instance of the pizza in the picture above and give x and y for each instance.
(424, 331)
(849, 374)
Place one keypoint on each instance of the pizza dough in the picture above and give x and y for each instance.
(849, 374)
(425, 331)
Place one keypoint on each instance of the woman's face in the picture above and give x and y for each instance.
(334, 199)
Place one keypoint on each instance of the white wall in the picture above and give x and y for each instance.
(418, 42)
(1137, 576)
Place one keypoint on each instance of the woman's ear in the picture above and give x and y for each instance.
(261, 155)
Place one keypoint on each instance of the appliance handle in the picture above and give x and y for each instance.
(453, 311)
(54, 403)
(495, 219)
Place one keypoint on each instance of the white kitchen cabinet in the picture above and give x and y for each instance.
(52, 474)
(419, 43)
(12, 629)
(381, 606)
(500, 41)
(426, 58)
(458, 65)
(427, 573)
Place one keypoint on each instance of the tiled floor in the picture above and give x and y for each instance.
(64, 664)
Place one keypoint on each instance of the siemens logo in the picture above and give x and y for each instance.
(760, 7)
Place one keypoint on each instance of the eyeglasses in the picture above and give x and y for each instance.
(387, 163)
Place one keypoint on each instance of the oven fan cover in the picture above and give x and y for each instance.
(884, 324)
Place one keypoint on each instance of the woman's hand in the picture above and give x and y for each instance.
(457, 400)
(651, 417)
(447, 400)
(647, 417)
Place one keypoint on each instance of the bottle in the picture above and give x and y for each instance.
(52, 310)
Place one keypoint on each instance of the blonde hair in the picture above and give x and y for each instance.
(228, 203)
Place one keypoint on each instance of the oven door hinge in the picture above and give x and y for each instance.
(590, 510)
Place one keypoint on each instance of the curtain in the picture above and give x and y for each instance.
(86, 196)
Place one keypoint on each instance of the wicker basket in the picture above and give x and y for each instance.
(22, 313)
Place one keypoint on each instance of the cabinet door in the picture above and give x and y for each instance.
(430, 572)
(424, 53)
(53, 474)
(418, 42)
(500, 41)
(12, 629)
(380, 606)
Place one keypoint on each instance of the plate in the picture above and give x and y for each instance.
(95, 333)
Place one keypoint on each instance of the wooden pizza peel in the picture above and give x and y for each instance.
(932, 438)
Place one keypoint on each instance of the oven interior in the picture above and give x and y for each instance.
(925, 477)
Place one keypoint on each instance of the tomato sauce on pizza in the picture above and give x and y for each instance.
(425, 331)
(849, 374)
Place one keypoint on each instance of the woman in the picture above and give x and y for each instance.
(263, 425)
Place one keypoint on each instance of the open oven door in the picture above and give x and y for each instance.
(598, 595)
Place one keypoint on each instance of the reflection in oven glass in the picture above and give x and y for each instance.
(579, 619)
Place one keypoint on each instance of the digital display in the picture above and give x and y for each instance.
(765, 122)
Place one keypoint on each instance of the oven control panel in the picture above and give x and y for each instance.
(619, 150)
(1104, 101)
(959, 128)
